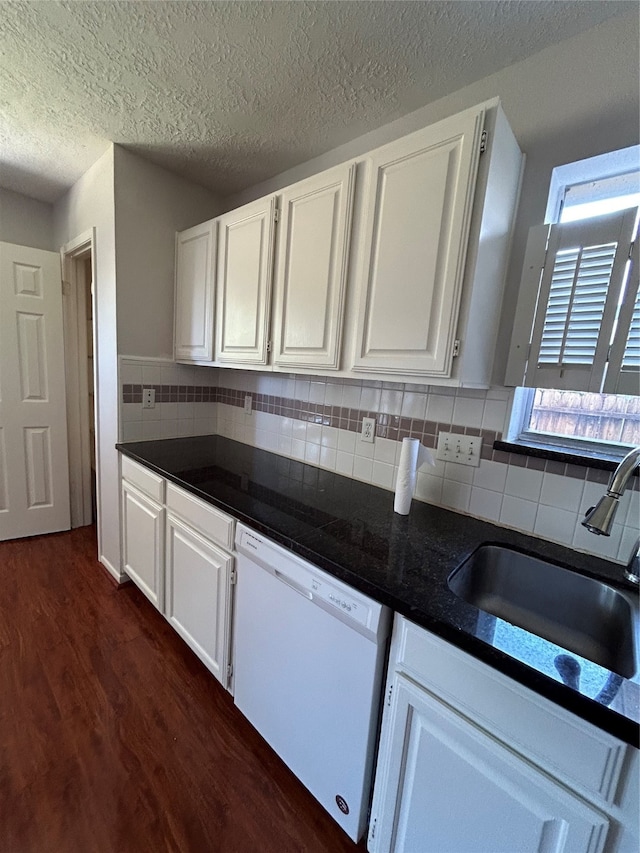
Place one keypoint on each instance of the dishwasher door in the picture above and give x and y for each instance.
(309, 658)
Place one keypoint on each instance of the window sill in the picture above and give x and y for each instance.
(559, 461)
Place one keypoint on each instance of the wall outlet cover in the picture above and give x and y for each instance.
(368, 430)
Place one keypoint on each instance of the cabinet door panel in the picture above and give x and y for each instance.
(198, 595)
(313, 248)
(142, 542)
(245, 271)
(417, 224)
(195, 266)
(445, 784)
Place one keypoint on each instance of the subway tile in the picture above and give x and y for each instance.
(523, 483)
(132, 431)
(601, 546)
(563, 492)
(385, 451)
(298, 448)
(152, 430)
(467, 411)
(346, 442)
(364, 449)
(344, 463)
(382, 474)
(490, 475)
(414, 406)
(131, 373)
(328, 457)
(458, 473)
(169, 428)
(428, 487)
(495, 415)
(456, 495)
(518, 513)
(485, 504)
(440, 409)
(362, 468)
(556, 524)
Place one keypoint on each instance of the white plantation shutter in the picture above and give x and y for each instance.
(623, 373)
(577, 306)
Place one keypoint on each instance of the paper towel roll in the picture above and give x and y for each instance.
(412, 456)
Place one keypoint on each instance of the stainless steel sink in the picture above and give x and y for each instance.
(583, 615)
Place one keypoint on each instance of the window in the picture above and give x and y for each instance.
(578, 370)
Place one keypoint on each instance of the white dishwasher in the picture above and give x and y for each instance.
(309, 657)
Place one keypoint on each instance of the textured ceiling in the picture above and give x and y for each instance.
(229, 93)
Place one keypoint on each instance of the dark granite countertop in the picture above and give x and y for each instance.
(349, 529)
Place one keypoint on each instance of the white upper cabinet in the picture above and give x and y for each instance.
(433, 255)
(417, 225)
(311, 270)
(243, 288)
(399, 272)
(194, 296)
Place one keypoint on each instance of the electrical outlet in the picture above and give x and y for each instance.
(368, 430)
(463, 449)
(148, 398)
(248, 401)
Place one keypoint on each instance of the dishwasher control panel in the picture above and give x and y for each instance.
(327, 592)
(355, 608)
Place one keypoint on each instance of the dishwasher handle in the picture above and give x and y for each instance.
(293, 584)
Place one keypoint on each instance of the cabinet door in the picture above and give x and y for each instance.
(194, 302)
(443, 784)
(143, 542)
(311, 276)
(245, 270)
(417, 217)
(198, 595)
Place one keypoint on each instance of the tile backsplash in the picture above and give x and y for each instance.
(318, 420)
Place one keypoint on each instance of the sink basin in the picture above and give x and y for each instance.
(583, 615)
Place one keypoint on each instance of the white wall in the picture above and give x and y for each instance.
(26, 221)
(151, 205)
(90, 204)
(573, 100)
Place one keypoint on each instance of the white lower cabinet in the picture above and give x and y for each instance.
(176, 549)
(464, 768)
(198, 579)
(452, 787)
(143, 542)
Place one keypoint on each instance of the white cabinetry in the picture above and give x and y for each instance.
(472, 762)
(401, 275)
(142, 497)
(198, 594)
(199, 578)
(433, 254)
(243, 285)
(194, 294)
(311, 272)
(176, 548)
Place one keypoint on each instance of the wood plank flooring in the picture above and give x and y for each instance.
(114, 738)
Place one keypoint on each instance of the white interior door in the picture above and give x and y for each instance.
(34, 469)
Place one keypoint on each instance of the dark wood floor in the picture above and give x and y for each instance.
(114, 737)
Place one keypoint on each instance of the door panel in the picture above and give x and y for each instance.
(143, 543)
(195, 269)
(313, 249)
(417, 224)
(198, 595)
(245, 270)
(34, 470)
(448, 785)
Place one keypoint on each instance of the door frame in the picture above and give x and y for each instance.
(73, 256)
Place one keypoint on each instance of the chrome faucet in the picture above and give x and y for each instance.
(599, 518)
